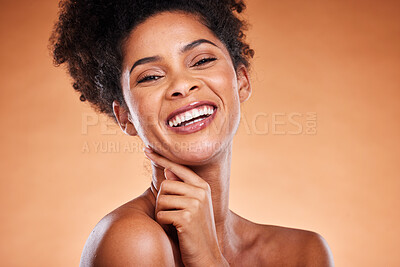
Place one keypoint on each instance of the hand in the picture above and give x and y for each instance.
(184, 200)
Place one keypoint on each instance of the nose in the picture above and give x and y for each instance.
(182, 86)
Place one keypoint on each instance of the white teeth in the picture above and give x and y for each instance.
(196, 120)
(191, 114)
(188, 116)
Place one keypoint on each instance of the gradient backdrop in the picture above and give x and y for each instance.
(318, 146)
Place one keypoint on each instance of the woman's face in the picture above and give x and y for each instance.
(181, 88)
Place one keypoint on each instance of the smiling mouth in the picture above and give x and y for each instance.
(191, 116)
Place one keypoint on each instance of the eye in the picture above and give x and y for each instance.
(148, 78)
(204, 61)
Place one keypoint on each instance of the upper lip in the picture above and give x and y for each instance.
(189, 107)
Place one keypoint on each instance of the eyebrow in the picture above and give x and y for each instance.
(183, 50)
(196, 43)
(144, 61)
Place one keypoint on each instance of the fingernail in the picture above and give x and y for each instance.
(147, 150)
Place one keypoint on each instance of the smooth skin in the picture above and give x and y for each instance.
(183, 219)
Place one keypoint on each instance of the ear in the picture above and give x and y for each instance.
(124, 119)
(244, 85)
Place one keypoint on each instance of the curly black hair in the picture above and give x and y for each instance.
(89, 36)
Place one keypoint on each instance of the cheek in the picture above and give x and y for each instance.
(146, 109)
(143, 107)
(223, 80)
(224, 84)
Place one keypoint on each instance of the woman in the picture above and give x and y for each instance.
(174, 73)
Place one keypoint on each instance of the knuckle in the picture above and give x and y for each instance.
(205, 186)
(202, 194)
(186, 217)
(196, 204)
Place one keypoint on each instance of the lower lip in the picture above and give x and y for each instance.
(194, 127)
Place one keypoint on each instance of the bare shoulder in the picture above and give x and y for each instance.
(128, 236)
(317, 250)
(295, 246)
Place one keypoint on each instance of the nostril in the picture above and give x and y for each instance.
(183, 92)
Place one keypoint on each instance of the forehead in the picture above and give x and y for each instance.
(166, 30)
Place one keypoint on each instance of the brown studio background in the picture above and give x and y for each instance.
(338, 59)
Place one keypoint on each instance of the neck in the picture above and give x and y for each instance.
(217, 175)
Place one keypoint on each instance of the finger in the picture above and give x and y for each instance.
(184, 173)
(178, 218)
(173, 202)
(170, 175)
(169, 187)
(152, 162)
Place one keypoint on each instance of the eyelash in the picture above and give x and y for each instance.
(149, 78)
(202, 61)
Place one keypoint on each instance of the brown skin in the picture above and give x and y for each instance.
(184, 218)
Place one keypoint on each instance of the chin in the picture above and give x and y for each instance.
(196, 154)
